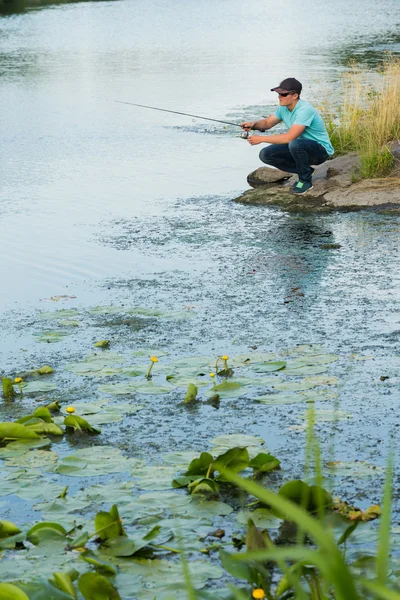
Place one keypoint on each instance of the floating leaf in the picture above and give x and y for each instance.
(16, 431)
(49, 428)
(200, 466)
(269, 367)
(232, 440)
(204, 485)
(153, 389)
(79, 424)
(262, 517)
(64, 583)
(102, 344)
(8, 389)
(280, 398)
(354, 469)
(298, 370)
(253, 357)
(311, 498)
(228, 389)
(45, 530)
(7, 529)
(59, 314)
(97, 587)
(191, 394)
(100, 565)
(45, 370)
(108, 524)
(316, 359)
(51, 337)
(322, 380)
(11, 592)
(34, 387)
(235, 459)
(43, 413)
(294, 386)
(262, 463)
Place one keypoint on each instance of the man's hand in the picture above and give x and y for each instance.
(255, 139)
(247, 125)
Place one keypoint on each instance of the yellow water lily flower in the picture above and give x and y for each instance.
(153, 359)
(18, 380)
(258, 593)
(212, 374)
(225, 357)
(70, 409)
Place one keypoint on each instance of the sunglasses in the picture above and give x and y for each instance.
(284, 94)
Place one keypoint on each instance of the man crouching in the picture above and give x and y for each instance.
(305, 143)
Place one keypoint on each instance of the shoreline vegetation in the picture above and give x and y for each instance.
(367, 117)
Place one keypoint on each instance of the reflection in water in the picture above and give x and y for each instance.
(9, 7)
(368, 53)
(298, 261)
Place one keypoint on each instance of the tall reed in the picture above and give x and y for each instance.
(367, 117)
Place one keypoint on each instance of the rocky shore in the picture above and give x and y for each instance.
(336, 187)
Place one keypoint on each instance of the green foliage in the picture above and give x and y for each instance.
(368, 117)
(8, 388)
(191, 394)
(79, 424)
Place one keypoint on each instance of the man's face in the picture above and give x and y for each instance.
(287, 100)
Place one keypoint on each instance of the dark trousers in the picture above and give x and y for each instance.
(295, 157)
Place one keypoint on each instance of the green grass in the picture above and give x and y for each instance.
(367, 117)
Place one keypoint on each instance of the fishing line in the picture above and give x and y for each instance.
(175, 112)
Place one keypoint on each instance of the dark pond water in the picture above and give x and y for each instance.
(120, 206)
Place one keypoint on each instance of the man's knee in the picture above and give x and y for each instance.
(267, 155)
(295, 145)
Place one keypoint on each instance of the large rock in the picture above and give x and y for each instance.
(336, 186)
(266, 175)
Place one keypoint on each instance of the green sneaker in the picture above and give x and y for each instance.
(301, 187)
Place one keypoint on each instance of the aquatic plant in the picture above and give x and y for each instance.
(153, 360)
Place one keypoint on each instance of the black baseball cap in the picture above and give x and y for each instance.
(288, 85)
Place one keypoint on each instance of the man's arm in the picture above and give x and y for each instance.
(261, 124)
(280, 138)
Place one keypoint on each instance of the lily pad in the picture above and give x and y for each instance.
(294, 386)
(118, 389)
(269, 367)
(34, 387)
(64, 313)
(331, 415)
(262, 517)
(228, 389)
(253, 358)
(232, 440)
(299, 370)
(154, 478)
(153, 389)
(8, 591)
(316, 359)
(322, 380)
(280, 399)
(354, 469)
(33, 460)
(51, 337)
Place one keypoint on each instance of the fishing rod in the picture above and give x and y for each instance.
(176, 112)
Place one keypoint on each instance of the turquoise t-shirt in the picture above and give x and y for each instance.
(305, 114)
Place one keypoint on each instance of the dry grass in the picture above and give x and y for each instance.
(367, 118)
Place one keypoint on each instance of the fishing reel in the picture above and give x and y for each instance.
(244, 135)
